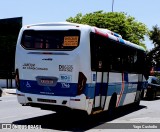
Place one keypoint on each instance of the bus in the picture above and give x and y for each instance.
(67, 66)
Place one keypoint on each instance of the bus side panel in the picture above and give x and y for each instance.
(114, 86)
(141, 83)
(125, 90)
(131, 88)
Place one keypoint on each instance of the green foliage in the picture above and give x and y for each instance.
(154, 54)
(155, 35)
(118, 22)
(157, 74)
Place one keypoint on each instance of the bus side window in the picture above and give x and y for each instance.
(38, 43)
(27, 41)
(140, 67)
(27, 44)
(47, 45)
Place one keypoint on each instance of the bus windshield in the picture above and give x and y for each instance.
(50, 40)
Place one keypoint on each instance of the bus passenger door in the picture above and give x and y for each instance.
(101, 88)
(99, 60)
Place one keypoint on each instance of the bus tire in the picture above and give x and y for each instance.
(136, 104)
(1, 92)
(142, 94)
(112, 106)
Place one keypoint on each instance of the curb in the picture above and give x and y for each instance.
(6, 91)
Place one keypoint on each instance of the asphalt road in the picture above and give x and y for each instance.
(12, 112)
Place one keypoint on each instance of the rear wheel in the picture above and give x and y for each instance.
(136, 104)
(0, 92)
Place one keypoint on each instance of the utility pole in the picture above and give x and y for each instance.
(112, 5)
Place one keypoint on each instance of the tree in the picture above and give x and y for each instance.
(155, 35)
(118, 22)
(154, 54)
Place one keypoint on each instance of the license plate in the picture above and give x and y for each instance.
(46, 81)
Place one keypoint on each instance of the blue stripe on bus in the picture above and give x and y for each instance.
(116, 34)
(90, 92)
(113, 87)
(28, 86)
(121, 41)
(116, 87)
(126, 77)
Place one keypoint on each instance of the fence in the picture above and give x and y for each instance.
(7, 79)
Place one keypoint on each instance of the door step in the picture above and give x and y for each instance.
(97, 110)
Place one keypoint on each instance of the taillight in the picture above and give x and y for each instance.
(17, 79)
(81, 83)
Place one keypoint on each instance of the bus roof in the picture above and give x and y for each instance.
(101, 31)
(114, 36)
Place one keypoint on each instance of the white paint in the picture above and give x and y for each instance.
(99, 77)
(107, 103)
(97, 101)
(105, 77)
(132, 77)
(115, 77)
(71, 103)
(130, 97)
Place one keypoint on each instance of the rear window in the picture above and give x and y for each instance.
(50, 40)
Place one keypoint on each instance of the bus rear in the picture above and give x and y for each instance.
(48, 70)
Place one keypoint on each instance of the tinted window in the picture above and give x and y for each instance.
(109, 55)
(51, 40)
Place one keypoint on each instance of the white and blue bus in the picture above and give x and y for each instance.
(63, 65)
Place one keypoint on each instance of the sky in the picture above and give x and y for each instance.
(39, 11)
